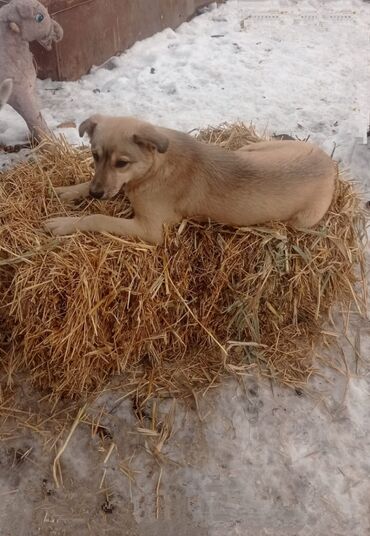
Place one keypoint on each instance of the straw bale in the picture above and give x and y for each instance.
(211, 301)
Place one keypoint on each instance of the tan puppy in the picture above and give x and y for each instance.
(169, 176)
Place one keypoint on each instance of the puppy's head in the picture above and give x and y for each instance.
(124, 150)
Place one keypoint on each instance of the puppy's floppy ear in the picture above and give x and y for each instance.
(151, 138)
(25, 9)
(88, 126)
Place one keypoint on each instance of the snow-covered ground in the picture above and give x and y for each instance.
(262, 461)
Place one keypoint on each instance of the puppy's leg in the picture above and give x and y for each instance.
(310, 216)
(314, 213)
(151, 232)
(74, 192)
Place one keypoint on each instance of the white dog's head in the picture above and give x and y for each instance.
(31, 20)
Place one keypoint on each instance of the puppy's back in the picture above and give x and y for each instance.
(288, 159)
(278, 180)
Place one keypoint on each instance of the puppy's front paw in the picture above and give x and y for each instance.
(68, 194)
(61, 226)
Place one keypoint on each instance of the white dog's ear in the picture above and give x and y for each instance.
(6, 89)
(88, 126)
(25, 9)
(151, 138)
(14, 27)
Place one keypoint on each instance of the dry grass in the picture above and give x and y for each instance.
(210, 302)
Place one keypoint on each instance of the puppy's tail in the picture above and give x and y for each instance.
(6, 88)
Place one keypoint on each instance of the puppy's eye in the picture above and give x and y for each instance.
(121, 163)
(39, 17)
(95, 156)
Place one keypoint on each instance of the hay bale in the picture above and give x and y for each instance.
(210, 301)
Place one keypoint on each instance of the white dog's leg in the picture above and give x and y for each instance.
(149, 231)
(75, 192)
(27, 106)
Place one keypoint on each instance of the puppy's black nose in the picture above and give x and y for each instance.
(97, 194)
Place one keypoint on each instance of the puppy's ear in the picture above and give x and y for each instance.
(25, 9)
(88, 126)
(151, 138)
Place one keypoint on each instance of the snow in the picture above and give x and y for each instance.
(257, 459)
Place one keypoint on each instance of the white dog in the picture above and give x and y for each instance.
(21, 22)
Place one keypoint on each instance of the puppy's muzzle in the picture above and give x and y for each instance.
(96, 194)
